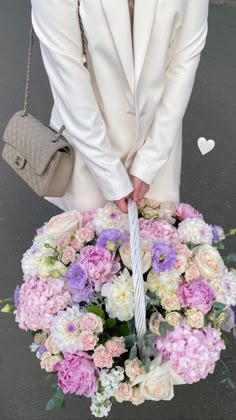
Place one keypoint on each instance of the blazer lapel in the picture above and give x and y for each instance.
(143, 21)
(118, 18)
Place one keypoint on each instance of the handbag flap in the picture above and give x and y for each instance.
(33, 140)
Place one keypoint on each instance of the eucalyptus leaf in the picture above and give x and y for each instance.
(226, 339)
(147, 365)
(110, 323)
(164, 327)
(57, 401)
(130, 340)
(133, 352)
(230, 258)
(218, 305)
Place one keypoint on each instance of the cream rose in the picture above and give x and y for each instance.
(170, 301)
(173, 318)
(192, 273)
(137, 398)
(124, 392)
(158, 383)
(180, 264)
(68, 221)
(48, 361)
(195, 318)
(146, 254)
(154, 323)
(51, 346)
(208, 260)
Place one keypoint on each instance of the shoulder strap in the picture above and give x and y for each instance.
(31, 42)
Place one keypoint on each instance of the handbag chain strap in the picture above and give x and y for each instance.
(28, 72)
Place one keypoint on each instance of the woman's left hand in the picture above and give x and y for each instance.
(140, 189)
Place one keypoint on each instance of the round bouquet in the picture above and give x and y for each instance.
(79, 301)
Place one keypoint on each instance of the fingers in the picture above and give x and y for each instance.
(122, 204)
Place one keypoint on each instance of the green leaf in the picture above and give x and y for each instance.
(110, 323)
(231, 383)
(133, 352)
(97, 311)
(8, 308)
(164, 327)
(226, 339)
(230, 258)
(218, 305)
(57, 401)
(219, 245)
(147, 364)
(130, 340)
(122, 330)
(54, 385)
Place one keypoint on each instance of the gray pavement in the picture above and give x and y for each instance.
(208, 183)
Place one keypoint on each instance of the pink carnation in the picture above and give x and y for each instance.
(102, 358)
(184, 210)
(101, 265)
(160, 230)
(116, 346)
(197, 294)
(77, 374)
(193, 352)
(39, 301)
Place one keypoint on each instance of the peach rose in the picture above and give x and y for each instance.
(116, 346)
(63, 241)
(51, 346)
(146, 254)
(91, 322)
(87, 340)
(137, 397)
(195, 318)
(68, 221)
(68, 255)
(183, 249)
(192, 273)
(48, 361)
(124, 392)
(77, 245)
(154, 323)
(133, 368)
(173, 318)
(102, 358)
(208, 260)
(158, 383)
(84, 235)
(170, 301)
(180, 263)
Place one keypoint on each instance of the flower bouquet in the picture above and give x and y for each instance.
(82, 305)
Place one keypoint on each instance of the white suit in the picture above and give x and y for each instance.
(124, 116)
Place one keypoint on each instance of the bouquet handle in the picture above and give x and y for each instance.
(137, 274)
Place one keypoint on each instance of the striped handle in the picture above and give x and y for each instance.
(137, 275)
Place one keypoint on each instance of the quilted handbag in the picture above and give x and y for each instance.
(40, 155)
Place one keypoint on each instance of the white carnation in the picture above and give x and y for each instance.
(110, 217)
(120, 297)
(195, 230)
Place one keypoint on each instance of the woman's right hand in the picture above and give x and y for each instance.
(122, 203)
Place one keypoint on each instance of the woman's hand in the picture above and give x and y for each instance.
(122, 203)
(140, 189)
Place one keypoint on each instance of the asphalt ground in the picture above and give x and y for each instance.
(208, 183)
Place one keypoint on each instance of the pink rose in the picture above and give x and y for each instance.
(77, 245)
(137, 397)
(182, 249)
(68, 255)
(183, 211)
(116, 346)
(84, 235)
(192, 272)
(134, 368)
(124, 392)
(91, 322)
(63, 241)
(87, 340)
(102, 358)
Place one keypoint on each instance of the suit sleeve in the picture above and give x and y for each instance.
(180, 77)
(56, 24)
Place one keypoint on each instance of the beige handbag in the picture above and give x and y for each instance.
(40, 155)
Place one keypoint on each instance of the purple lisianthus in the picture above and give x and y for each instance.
(111, 239)
(40, 350)
(163, 257)
(77, 279)
(215, 234)
(16, 295)
(196, 295)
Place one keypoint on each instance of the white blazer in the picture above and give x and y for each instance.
(123, 116)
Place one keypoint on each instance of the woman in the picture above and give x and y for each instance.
(123, 116)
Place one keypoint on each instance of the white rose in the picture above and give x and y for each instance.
(208, 260)
(68, 221)
(158, 383)
(146, 254)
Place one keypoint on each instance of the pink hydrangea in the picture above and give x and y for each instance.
(160, 230)
(196, 294)
(101, 265)
(184, 210)
(40, 301)
(193, 352)
(77, 374)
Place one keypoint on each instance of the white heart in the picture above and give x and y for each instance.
(205, 146)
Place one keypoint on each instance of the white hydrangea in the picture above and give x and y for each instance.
(110, 217)
(30, 262)
(120, 296)
(195, 230)
(43, 238)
